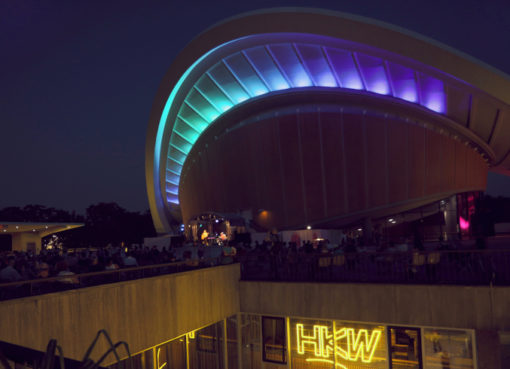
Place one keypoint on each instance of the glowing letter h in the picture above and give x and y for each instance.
(321, 340)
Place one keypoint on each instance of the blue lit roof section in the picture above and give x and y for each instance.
(263, 69)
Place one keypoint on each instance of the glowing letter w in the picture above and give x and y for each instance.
(360, 345)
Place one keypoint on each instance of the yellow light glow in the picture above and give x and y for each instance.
(361, 344)
(191, 335)
(320, 360)
(157, 360)
(358, 345)
(322, 340)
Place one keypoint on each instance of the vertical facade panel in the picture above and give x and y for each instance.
(312, 170)
(289, 144)
(416, 164)
(235, 180)
(448, 164)
(398, 161)
(376, 160)
(270, 180)
(332, 144)
(355, 161)
(434, 163)
(460, 164)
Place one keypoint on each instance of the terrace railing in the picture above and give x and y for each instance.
(470, 267)
(40, 286)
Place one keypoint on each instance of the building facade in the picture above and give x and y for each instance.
(320, 119)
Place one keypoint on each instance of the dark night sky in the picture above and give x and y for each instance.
(78, 78)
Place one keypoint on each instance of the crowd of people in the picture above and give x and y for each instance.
(19, 266)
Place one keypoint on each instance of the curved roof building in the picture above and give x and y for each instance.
(321, 118)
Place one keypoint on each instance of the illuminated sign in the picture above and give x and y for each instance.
(321, 340)
(357, 345)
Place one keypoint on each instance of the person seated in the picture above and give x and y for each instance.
(188, 260)
(63, 271)
(110, 265)
(9, 273)
(130, 261)
(43, 270)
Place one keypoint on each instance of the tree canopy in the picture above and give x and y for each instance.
(105, 223)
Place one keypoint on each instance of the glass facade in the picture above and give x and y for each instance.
(444, 348)
(251, 341)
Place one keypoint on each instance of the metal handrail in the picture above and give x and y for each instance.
(457, 267)
(122, 274)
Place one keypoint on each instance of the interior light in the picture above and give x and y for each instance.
(308, 227)
(360, 229)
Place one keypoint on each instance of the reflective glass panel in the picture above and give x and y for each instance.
(451, 349)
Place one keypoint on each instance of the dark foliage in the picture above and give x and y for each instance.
(105, 223)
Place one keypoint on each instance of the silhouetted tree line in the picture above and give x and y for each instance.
(105, 223)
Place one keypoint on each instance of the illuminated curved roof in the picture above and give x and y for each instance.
(261, 54)
(260, 70)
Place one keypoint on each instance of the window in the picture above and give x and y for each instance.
(273, 340)
(405, 348)
(448, 348)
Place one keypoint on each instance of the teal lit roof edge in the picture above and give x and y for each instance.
(294, 65)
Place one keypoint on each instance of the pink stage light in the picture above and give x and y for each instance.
(464, 224)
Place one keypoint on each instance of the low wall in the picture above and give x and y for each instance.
(143, 312)
(481, 308)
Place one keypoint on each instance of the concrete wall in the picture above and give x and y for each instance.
(441, 306)
(20, 241)
(143, 312)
